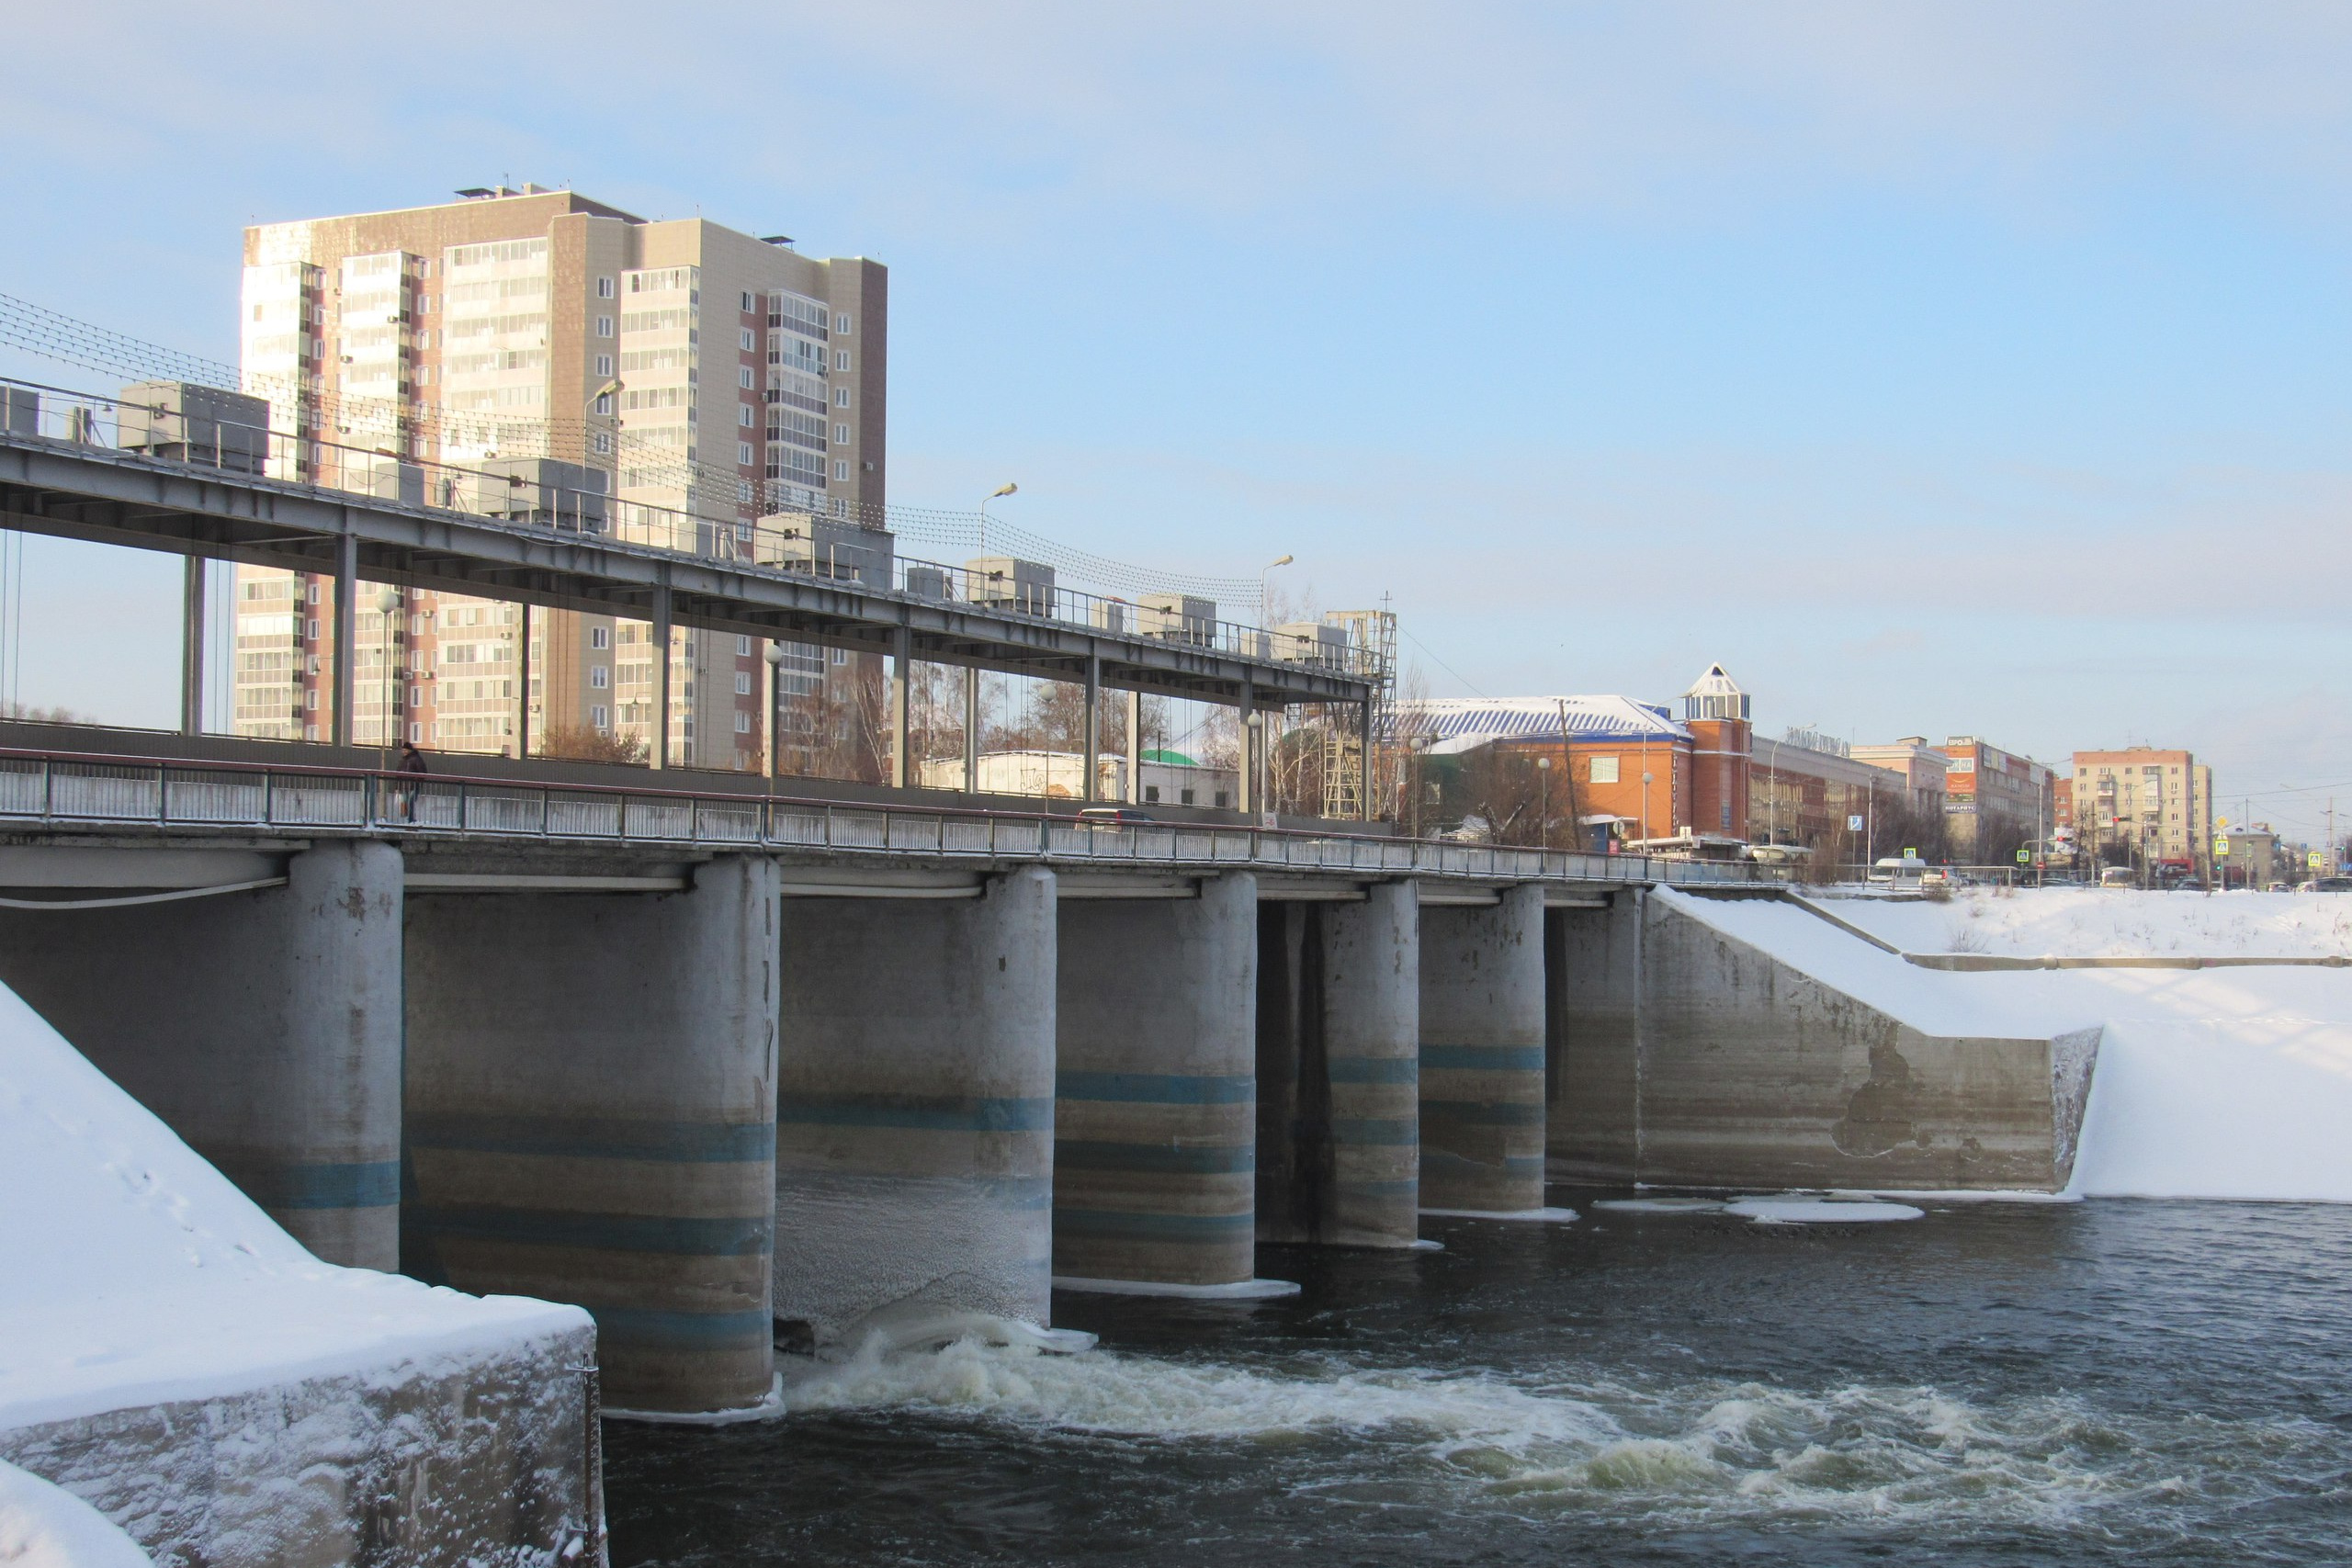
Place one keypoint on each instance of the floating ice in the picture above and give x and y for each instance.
(1805, 1209)
(1659, 1205)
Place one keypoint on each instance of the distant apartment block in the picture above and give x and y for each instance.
(673, 377)
(2147, 802)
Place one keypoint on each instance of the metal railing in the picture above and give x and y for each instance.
(571, 496)
(75, 789)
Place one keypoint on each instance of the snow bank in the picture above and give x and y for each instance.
(2078, 922)
(167, 1352)
(2215, 1083)
(47, 1527)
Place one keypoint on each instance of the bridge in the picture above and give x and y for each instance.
(725, 1063)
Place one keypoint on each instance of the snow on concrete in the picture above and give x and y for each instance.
(2091, 923)
(168, 1352)
(2215, 1083)
(47, 1527)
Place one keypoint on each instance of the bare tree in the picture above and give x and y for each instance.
(585, 743)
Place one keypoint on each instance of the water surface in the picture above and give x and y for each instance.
(2110, 1382)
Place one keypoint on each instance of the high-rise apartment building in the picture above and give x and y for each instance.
(675, 380)
(2153, 804)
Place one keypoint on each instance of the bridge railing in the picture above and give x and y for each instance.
(573, 496)
(69, 788)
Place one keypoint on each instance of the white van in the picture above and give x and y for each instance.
(1899, 871)
(2117, 877)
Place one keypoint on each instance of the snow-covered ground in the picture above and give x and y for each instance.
(136, 1277)
(2089, 923)
(2213, 1083)
(45, 1527)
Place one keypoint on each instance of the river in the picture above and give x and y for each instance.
(2114, 1381)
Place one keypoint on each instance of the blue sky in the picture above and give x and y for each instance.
(1939, 369)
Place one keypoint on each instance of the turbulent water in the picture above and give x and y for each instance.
(2110, 1382)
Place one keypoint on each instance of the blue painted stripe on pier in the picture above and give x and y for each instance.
(1383, 1130)
(1159, 1088)
(1483, 1058)
(673, 1235)
(1374, 1069)
(1485, 1112)
(365, 1184)
(1110, 1224)
(948, 1113)
(1071, 1154)
(596, 1137)
(682, 1330)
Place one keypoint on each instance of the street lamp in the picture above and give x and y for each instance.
(1544, 807)
(1008, 488)
(389, 601)
(1263, 613)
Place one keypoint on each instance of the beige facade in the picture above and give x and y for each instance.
(1995, 802)
(709, 376)
(1922, 768)
(2157, 803)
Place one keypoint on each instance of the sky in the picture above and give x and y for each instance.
(1938, 369)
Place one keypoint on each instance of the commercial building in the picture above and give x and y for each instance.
(1995, 802)
(1922, 768)
(669, 380)
(2143, 804)
(1805, 791)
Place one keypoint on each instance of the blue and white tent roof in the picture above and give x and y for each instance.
(1465, 724)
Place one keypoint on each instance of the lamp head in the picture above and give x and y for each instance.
(1009, 488)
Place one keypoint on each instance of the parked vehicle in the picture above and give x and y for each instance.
(2328, 885)
(1112, 816)
(2117, 877)
(2189, 885)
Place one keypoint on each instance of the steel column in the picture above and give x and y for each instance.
(522, 680)
(1135, 748)
(902, 672)
(1093, 729)
(347, 635)
(192, 648)
(1244, 795)
(659, 752)
(971, 730)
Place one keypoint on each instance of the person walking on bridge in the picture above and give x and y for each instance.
(412, 767)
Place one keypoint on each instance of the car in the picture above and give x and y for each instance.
(2329, 884)
(1111, 817)
(2189, 885)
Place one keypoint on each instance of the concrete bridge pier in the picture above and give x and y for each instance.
(1482, 1055)
(1593, 1040)
(1154, 1090)
(1338, 1044)
(915, 1111)
(592, 1119)
(263, 1027)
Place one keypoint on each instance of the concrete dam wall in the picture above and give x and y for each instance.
(1684, 1054)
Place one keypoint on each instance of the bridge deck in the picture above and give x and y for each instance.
(53, 792)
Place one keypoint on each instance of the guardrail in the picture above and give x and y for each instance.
(769, 531)
(65, 789)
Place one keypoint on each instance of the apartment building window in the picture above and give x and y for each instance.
(603, 442)
(599, 677)
(604, 364)
(748, 344)
(1604, 770)
(604, 402)
(840, 471)
(743, 414)
(416, 696)
(743, 453)
(415, 733)
(743, 376)
(600, 636)
(601, 718)
(742, 723)
(742, 682)
(604, 326)
(840, 323)
(840, 359)
(743, 647)
(841, 397)
(314, 626)
(311, 700)
(841, 436)
(604, 290)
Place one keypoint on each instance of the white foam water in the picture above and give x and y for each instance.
(1700, 1450)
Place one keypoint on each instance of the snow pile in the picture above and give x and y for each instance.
(2213, 1083)
(137, 1274)
(2080, 922)
(45, 1527)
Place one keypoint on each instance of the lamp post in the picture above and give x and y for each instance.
(1265, 614)
(1543, 798)
(1008, 488)
(389, 603)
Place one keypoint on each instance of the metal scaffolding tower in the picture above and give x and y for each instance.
(1352, 763)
